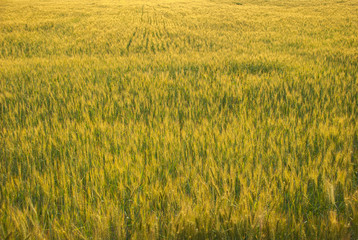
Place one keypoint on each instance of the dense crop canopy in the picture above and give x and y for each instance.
(183, 119)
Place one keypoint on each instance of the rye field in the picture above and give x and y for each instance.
(179, 119)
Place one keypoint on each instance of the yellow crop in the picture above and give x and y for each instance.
(178, 119)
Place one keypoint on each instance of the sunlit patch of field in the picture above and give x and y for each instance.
(177, 119)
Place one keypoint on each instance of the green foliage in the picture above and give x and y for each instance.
(178, 119)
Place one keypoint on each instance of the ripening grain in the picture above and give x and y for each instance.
(170, 119)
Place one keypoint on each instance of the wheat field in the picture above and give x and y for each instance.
(179, 119)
